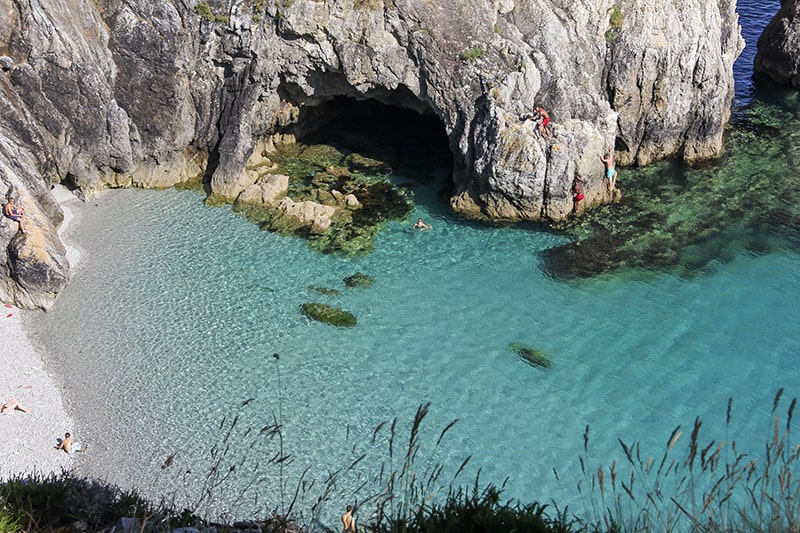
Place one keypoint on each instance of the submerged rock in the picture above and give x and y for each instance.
(532, 356)
(328, 315)
(359, 279)
(324, 290)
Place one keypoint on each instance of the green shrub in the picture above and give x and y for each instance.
(204, 10)
(616, 17)
(615, 20)
(472, 54)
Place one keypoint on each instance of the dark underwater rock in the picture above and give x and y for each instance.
(328, 315)
(323, 290)
(359, 279)
(532, 356)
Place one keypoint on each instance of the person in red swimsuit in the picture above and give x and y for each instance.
(577, 191)
(545, 130)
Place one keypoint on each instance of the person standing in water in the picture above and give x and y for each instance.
(348, 521)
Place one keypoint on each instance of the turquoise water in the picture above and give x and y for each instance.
(171, 322)
(169, 333)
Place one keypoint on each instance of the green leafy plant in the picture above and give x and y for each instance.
(615, 20)
(472, 54)
(204, 10)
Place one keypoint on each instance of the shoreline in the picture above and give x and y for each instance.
(29, 438)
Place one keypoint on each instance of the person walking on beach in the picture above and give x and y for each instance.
(12, 405)
(348, 521)
(68, 445)
(15, 213)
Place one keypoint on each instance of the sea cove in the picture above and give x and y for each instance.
(180, 318)
(173, 332)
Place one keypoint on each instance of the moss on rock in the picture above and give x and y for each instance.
(320, 155)
(359, 163)
(328, 315)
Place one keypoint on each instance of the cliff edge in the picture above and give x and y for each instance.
(118, 93)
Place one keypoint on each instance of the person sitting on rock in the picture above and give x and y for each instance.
(15, 213)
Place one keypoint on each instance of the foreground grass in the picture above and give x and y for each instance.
(709, 487)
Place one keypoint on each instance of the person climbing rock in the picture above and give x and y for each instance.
(544, 129)
(611, 171)
(577, 191)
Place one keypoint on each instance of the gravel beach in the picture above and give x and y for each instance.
(29, 438)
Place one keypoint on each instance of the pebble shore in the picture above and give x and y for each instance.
(28, 439)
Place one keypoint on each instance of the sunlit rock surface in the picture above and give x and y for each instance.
(111, 93)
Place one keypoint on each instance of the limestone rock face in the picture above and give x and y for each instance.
(148, 93)
(779, 46)
(316, 216)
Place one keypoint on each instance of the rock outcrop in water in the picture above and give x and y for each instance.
(779, 46)
(114, 93)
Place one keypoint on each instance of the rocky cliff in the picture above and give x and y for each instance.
(779, 46)
(150, 93)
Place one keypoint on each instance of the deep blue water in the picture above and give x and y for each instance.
(170, 324)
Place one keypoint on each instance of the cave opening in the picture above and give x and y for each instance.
(414, 144)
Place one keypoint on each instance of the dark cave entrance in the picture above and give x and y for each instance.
(414, 144)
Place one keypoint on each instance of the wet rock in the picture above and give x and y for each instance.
(328, 315)
(266, 191)
(359, 163)
(324, 290)
(359, 279)
(316, 217)
(532, 356)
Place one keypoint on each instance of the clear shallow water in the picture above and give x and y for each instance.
(170, 324)
(170, 332)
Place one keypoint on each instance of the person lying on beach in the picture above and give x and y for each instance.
(68, 445)
(12, 405)
(15, 213)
